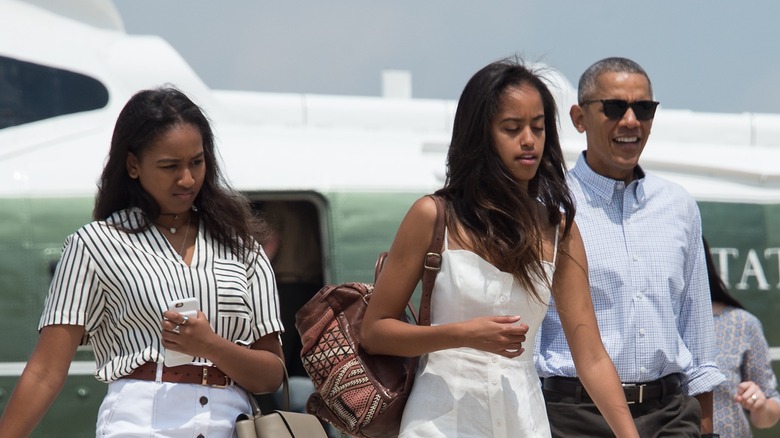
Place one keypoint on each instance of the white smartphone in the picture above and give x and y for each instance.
(188, 307)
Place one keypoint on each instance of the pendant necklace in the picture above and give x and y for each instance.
(175, 218)
(173, 229)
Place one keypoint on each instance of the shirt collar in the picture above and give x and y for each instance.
(605, 187)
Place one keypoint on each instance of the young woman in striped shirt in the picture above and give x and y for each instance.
(166, 227)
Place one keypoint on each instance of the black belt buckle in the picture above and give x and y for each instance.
(630, 388)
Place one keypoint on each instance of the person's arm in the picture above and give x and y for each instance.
(764, 412)
(766, 417)
(197, 338)
(757, 365)
(705, 400)
(695, 324)
(41, 380)
(383, 333)
(256, 369)
(240, 363)
(595, 369)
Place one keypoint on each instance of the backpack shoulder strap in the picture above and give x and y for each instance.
(432, 263)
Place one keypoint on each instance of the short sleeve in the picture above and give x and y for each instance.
(73, 297)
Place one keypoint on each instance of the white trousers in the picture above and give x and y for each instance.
(137, 408)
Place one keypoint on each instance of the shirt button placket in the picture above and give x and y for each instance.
(497, 408)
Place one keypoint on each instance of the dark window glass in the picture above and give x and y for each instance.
(31, 92)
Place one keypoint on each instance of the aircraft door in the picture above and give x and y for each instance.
(294, 245)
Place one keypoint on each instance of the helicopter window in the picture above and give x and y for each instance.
(30, 92)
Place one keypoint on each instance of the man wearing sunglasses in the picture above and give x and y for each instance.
(646, 268)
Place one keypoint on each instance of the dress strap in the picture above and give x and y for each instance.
(555, 247)
(446, 238)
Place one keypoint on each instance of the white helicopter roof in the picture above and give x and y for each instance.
(274, 141)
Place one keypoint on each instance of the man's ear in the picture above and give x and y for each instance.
(577, 118)
(132, 165)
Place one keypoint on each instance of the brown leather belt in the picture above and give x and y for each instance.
(201, 375)
(635, 392)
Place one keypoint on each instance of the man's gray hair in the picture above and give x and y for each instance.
(588, 81)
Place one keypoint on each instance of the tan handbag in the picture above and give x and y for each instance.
(278, 424)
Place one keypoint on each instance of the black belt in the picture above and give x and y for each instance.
(635, 392)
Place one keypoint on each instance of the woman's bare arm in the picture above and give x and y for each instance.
(41, 380)
(594, 367)
(257, 369)
(383, 333)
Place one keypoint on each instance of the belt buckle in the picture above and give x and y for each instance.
(641, 387)
(205, 379)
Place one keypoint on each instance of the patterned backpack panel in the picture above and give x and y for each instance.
(360, 394)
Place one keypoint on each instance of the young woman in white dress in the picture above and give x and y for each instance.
(510, 243)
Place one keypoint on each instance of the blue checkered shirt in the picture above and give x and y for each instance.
(648, 282)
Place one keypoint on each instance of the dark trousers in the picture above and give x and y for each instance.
(675, 415)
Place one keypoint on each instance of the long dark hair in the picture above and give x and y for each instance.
(718, 290)
(225, 213)
(482, 194)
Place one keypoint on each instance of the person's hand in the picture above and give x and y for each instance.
(750, 396)
(187, 335)
(496, 334)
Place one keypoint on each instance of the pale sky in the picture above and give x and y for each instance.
(716, 56)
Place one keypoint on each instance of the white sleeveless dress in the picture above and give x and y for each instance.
(463, 392)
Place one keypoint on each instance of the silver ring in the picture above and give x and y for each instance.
(184, 321)
(177, 329)
(754, 397)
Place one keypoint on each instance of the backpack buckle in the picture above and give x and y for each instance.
(432, 261)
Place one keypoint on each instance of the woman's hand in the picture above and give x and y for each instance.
(764, 412)
(195, 337)
(750, 396)
(192, 335)
(495, 334)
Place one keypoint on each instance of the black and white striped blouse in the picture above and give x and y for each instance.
(117, 285)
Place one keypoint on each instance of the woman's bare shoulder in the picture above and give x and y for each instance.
(423, 210)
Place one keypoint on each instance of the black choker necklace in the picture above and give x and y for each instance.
(175, 217)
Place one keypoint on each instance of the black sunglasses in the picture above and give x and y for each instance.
(615, 109)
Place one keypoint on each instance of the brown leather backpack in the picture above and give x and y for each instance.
(362, 395)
